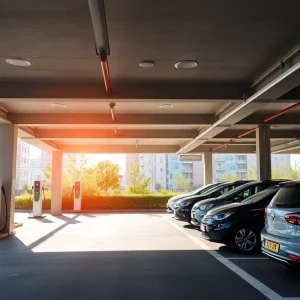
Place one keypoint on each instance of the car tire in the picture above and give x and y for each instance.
(245, 240)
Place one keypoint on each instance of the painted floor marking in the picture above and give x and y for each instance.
(269, 293)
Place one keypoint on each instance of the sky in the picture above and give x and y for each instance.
(93, 159)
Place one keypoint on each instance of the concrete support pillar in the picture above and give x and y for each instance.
(56, 188)
(8, 158)
(208, 172)
(263, 152)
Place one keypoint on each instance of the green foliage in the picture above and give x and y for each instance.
(287, 172)
(180, 182)
(229, 177)
(251, 174)
(103, 202)
(138, 183)
(47, 171)
(25, 187)
(107, 175)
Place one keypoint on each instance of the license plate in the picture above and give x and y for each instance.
(274, 247)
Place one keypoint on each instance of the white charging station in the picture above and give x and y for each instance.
(37, 208)
(77, 195)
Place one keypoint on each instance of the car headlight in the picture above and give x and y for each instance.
(219, 217)
(206, 207)
(184, 203)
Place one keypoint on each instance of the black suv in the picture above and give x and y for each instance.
(183, 208)
(239, 224)
(237, 195)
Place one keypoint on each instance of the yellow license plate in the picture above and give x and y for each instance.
(274, 247)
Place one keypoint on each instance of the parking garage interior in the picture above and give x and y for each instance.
(193, 78)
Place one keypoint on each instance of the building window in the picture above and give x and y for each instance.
(161, 169)
(161, 160)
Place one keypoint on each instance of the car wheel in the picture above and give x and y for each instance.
(245, 240)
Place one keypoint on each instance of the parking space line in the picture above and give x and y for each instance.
(246, 258)
(269, 293)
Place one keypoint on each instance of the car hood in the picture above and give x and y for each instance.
(226, 207)
(178, 197)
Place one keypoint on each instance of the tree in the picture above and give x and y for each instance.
(138, 183)
(158, 187)
(251, 174)
(107, 175)
(25, 187)
(229, 177)
(180, 182)
(47, 171)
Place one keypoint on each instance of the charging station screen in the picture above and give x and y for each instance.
(36, 191)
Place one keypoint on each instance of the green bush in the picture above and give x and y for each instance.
(102, 202)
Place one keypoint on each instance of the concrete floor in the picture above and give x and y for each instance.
(131, 256)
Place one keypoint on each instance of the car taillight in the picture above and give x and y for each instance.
(293, 218)
(294, 257)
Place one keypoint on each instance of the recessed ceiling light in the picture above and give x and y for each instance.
(146, 64)
(18, 62)
(166, 105)
(186, 64)
(58, 105)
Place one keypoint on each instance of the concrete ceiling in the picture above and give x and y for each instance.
(234, 45)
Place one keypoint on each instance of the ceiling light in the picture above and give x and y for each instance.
(18, 62)
(186, 64)
(239, 141)
(146, 64)
(167, 105)
(153, 142)
(58, 105)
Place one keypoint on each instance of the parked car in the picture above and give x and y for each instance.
(281, 234)
(182, 210)
(236, 195)
(172, 201)
(239, 224)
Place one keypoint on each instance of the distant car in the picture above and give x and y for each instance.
(236, 195)
(238, 224)
(182, 210)
(172, 201)
(281, 235)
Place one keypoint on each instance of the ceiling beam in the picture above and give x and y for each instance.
(133, 91)
(274, 134)
(229, 149)
(285, 119)
(287, 148)
(36, 119)
(4, 116)
(119, 149)
(268, 90)
(55, 134)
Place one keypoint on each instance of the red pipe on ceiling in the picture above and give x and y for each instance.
(281, 112)
(253, 129)
(105, 72)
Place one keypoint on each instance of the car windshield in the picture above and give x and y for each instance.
(287, 197)
(236, 190)
(204, 189)
(260, 196)
(213, 189)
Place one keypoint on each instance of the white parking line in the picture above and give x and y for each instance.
(246, 258)
(269, 293)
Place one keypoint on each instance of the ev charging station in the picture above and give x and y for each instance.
(37, 200)
(77, 195)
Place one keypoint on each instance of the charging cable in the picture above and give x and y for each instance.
(4, 194)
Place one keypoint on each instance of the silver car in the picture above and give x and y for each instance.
(172, 201)
(281, 235)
